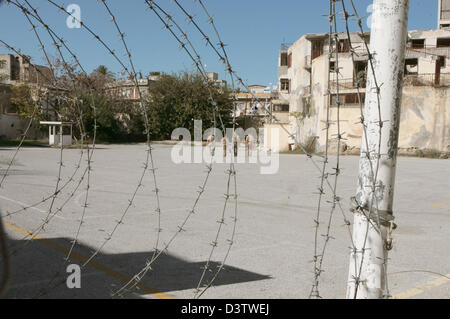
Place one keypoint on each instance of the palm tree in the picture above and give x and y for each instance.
(104, 72)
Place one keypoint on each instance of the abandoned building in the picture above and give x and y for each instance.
(17, 70)
(303, 85)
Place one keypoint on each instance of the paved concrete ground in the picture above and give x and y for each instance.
(273, 247)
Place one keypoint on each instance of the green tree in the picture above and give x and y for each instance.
(115, 119)
(177, 100)
(22, 101)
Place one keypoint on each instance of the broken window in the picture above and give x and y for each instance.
(411, 66)
(11, 108)
(284, 83)
(316, 48)
(284, 59)
(343, 46)
(332, 66)
(418, 43)
(360, 73)
(351, 98)
(443, 42)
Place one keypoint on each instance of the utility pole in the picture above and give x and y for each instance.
(373, 203)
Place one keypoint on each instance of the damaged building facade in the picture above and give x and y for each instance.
(17, 70)
(304, 85)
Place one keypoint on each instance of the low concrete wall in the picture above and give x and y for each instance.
(425, 118)
(274, 144)
(424, 123)
(12, 127)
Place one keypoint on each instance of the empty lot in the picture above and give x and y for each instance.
(273, 245)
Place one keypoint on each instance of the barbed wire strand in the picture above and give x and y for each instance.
(195, 57)
(149, 155)
(317, 258)
(89, 156)
(233, 173)
(80, 124)
(61, 149)
(369, 155)
(112, 52)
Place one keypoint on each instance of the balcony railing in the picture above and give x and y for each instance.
(431, 79)
(426, 47)
(345, 84)
(414, 51)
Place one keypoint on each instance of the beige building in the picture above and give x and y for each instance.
(304, 68)
(127, 90)
(12, 126)
(444, 14)
(17, 70)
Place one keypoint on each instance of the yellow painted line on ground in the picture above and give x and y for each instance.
(424, 288)
(441, 203)
(83, 259)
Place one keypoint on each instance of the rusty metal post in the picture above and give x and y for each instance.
(373, 203)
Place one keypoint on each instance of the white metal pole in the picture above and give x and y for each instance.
(368, 258)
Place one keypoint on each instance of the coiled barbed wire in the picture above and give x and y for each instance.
(189, 48)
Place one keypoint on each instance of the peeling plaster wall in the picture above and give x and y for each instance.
(424, 121)
(425, 112)
(425, 118)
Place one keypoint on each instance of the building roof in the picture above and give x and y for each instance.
(257, 86)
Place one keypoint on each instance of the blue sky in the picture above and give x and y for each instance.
(252, 29)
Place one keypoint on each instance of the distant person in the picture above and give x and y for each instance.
(224, 146)
(236, 141)
(247, 144)
(210, 143)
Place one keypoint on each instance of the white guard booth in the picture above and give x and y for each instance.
(64, 131)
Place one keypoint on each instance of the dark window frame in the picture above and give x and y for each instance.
(281, 108)
(418, 43)
(284, 59)
(343, 46)
(316, 48)
(443, 43)
(285, 85)
(410, 62)
(347, 99)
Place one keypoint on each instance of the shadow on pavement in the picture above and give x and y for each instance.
(37, 262)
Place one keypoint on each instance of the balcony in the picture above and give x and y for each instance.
(431, 79)
(345, 84)
(426, 50)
